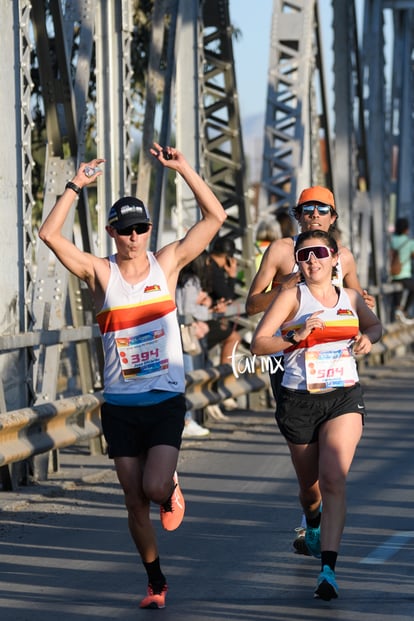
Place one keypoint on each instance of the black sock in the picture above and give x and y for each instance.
(314, 522)
(329, 558)
(155, 576)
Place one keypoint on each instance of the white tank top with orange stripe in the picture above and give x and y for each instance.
(324, 360)
(337, 279)
(140, 334)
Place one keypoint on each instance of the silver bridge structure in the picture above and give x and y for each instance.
(355, 136)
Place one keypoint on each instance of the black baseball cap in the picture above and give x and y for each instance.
(224, 245)
(126, 211)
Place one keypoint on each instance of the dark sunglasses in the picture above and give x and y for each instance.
(319, 252)
(139, 229)
(322, 209)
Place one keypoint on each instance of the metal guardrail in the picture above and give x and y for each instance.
(31, 431)
(396, 337)
(37, 430)
(215, 384)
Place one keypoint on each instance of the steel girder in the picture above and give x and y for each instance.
(222, 162)
(208, 119)
(188, 94)
(388, 124)
(16, 201)
(350, 162)
(65, 114)
(112, 32)
(401, 126)
(294, 125)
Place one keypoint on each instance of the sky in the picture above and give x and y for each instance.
(251, 52)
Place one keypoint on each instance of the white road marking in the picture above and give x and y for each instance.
(388, 548)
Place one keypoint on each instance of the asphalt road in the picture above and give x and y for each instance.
(65, 552)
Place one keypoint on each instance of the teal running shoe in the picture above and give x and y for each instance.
(313, 541)
(326, 586)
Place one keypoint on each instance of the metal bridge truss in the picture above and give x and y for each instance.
(62, 37)
(295, 126)
(223, 161)
(207, 115)
(368, 165)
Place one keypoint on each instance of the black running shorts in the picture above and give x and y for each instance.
(299, 415)
(131, 430)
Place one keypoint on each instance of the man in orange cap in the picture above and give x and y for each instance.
(315, 210)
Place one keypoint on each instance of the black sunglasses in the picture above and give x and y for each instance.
(310, 208)
(139, 229)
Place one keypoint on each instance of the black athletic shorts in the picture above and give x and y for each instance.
(131, 430)
(276, 376)
(299, 415)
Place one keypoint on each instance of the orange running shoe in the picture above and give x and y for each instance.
(154, 600)
(172, 511)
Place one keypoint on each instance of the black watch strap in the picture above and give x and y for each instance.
(290, 336)
(72, 186)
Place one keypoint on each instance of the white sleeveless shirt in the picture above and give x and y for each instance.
(140, 335)
(337, 281)
(324, 360)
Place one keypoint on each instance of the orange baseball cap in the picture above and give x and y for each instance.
(319, 194)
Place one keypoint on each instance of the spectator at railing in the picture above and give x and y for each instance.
(221, 279)
(404, 245)
(193, 312)
(220, 282)
(212, 314)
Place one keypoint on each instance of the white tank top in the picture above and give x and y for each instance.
(324, 360)
(337, 280)
(140, 335)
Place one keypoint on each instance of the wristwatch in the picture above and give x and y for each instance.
(290, 336)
